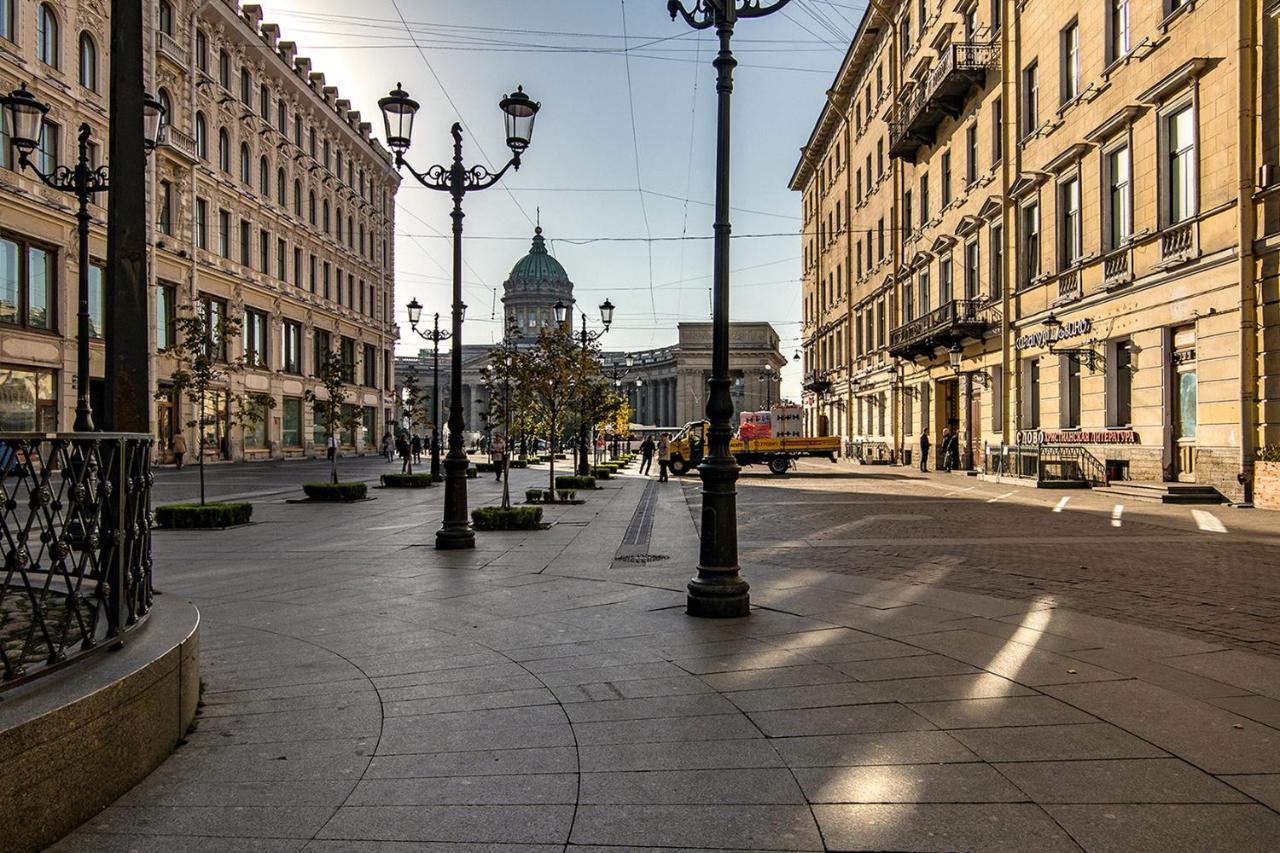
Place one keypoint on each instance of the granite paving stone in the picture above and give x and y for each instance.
(999, 711)
(511, 824)
(871, 748)
(1263, 787)
(840, 719)
(691, 787)
(772, 827)
(908, 783)
(1012, 827)
(1055, 742)
(1148, 780)
(1218, 828)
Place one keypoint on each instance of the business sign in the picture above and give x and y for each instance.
(1109, 436)
(1044, 337)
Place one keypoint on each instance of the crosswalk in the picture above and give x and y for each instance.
(1203, 519)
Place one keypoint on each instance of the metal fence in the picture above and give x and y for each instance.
(75, 534)
(1046, 463)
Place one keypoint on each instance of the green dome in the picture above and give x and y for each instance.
(538, 266)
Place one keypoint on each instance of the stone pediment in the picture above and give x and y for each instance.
(992, 207)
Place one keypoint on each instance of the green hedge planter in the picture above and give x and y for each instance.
(515, 518)
(341, 492)
(517, 463)
(575, 482)
(533, 496)
(485, 467)
(602, 473)
(207, 517)
(406, 481)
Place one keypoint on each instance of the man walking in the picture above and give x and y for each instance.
(405, 452)
(924, 450)
(498, 454)
(947, 440)
(179, 449)
(646, 455)
(416, 446)
(664, 457)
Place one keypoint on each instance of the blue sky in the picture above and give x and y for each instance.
(590, 161)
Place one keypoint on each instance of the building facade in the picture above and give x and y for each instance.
(1078, 208)
(269, 202)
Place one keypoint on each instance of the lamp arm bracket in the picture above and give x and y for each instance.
(480, 178)
(434, 178)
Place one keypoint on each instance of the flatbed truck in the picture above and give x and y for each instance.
(689, 445)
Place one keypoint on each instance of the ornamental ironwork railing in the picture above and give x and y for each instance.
(958, 58)
(947, 316)
(1070, 463)
(75, 536)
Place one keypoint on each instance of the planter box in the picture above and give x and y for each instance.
(211, 516)
(406, 481)
(339, 492)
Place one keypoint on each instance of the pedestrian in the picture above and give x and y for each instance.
(416, 447)
(646, 455)
(498, 454)
(664, 457)
(388, 447)
(924, 450)
(405, 451)
(179, 449)
(947, 440)
(954, 461)
(331, 447)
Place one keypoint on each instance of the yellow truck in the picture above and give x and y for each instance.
(690, 443)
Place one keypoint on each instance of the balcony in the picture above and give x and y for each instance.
(948, 324)
(1069, 286)
(179, 142)
(1117, 268)
(1179, 243)
(168, 46)
(939, 96)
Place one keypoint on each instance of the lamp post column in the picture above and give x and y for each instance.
(435, 403)
(84, 410)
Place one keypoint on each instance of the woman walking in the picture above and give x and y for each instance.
(179, 449)
(664, 457)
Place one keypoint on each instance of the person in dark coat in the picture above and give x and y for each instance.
(646, 454)
(924, 450)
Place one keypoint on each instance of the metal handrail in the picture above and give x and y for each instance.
(945, 316)
(75, 538)
(957, 56)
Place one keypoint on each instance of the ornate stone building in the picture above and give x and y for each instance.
(269, 201)
(1023, 223)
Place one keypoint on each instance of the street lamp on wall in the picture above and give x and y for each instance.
(954, 356)
(26, 114)
(1086, 355)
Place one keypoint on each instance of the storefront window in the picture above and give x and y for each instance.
(318, 433)
(370, 433)
(291, 422)
(255, 435)
(28, 402)
(97, 275)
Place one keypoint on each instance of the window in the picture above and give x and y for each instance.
(328, 159)
(297, 130)
(88, 62)
(880, 240)
(28, 398)
(297, 267)
(297, 198)
(926, 293)
(1180, 165)
(291, 422)
(946, 280)
(47, 150)
(311, 207)
(244, 243)
(224, 150)
(202, 51)
(997, 129)
(1068, 223)
(27, 285)
(264, 102)
(166, 313)
(924, 199)
(325, 219)
(48, 47)
(282, 116)
(906, 212)
(264, 176)
(1030, 243)
(202, 137)
(370, 365)
(327, 270)
(281, 194)
(1120, 364)
(971, 154)
(1031, 394)
(972, 270)
(7, 20)
(264, 251)
(313, 273)
(347, 353)
(311, 142)
(246, 87)
(997, 261)
(255, 338)
(166, 116)
(224, 69)
(291, 347)
(282, 254)
(245, 168)
(164, 213)
(164, 17)
(1070, 73)
(213, 311)
(1119, 197)
(202, 223)
(97, 281)
(1117, 30)
(1069, 404)
(1030, 99)
(320, 348)
(946, 178)
(224, 233)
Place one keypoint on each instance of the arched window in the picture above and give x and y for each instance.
(224, 69)
(326, 216)
(282, 116)
(246, 175)
(166, 116)
(202, 51)
(166, 17)
(264, 102)
(202, 137)
(264, 176)
(280, 185)
(351, 232)
(311, 207)
(47, 44)
(224, 150)
(8, 22)
(338, 222)
(297, 198)
(88, 62)
(246, 87)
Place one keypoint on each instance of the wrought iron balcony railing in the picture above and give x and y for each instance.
(75, 535)
(945, 325)
(940, 95)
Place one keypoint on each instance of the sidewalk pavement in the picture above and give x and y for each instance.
(365, 692)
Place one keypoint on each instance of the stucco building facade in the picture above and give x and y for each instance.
(1064, 194)
(269, 201)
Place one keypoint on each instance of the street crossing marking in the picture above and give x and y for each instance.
(1207, 521)
(999, 497)
(1062, 504)
(1115, 515)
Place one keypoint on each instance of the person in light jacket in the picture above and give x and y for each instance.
(664, 457)
(179, 449)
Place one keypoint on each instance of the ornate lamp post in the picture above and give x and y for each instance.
(398, 111)
(617, 374)
(768, 376)
(718, 590)
(84, 181)
(435, 336)
(585, 337)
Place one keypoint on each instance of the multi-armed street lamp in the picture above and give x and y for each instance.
(25, 117)
(398, 111)
(718, 590)
(769, 378)
(617, 374)
(585, 337)
(435, 336)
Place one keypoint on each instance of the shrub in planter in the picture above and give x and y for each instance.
(567, 495)
(472, 472)
(573, 482)
(484, 467)
(602, 473)
(197, 517)
(533, 496)
(336, 491)
(406, 481)
(515, 518)
(562, 456)
(517, 463)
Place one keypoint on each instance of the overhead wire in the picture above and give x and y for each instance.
(635, 142)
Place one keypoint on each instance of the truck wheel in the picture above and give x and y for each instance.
(779, 465)
(678, 466)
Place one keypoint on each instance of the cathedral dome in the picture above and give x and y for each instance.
(537, 270)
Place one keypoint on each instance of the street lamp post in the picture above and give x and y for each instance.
(585, 338)
(768, 376)
(435, 336)
(398, 111)
(617, 374)
(84, 181)
(719, 590)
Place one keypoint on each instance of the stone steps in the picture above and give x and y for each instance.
(1167, 493)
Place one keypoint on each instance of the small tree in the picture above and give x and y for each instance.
(417, 414)
(202, 364)
(553, 373)
(334, 373)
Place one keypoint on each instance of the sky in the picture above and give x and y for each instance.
(622, 165)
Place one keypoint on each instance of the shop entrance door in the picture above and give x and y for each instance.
(1185, 404)
(946, 418)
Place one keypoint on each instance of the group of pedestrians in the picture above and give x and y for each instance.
(405, 446)
(662, 449)
(950, 450)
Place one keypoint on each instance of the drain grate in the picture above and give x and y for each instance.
(641, 558)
